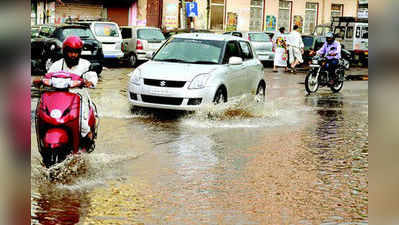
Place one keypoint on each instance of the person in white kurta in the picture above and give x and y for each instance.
(295, 48)
(72, 63)
(280, 52)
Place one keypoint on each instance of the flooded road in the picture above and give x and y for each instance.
(297, 159)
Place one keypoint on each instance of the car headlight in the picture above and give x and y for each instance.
(135, 77)
(199, 81)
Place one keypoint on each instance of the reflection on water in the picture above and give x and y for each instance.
(339, 145)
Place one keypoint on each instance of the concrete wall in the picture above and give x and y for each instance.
(242, 8)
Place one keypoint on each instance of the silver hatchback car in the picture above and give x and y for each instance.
(194, 69)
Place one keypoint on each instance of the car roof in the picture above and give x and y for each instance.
(208, 36)
(90, 22)
(140, 27)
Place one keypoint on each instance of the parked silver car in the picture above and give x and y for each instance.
(261, 42)
(138, 41)
(194, 69)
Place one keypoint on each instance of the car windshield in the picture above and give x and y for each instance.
(106, 30)
(259, 37)
(191, 51)
(83, 33)
(307, 41)
(150, 34)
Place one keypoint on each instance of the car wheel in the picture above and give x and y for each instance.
(133, 60)
(260, 93)
(220, 96)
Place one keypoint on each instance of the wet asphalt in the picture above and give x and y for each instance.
(297, 159)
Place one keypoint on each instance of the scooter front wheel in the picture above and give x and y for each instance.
(53, 156)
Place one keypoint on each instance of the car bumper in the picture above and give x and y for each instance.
(113, 55)
(139, 94)
(269, 56)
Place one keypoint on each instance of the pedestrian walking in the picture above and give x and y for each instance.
(280, 50)
(295, 48)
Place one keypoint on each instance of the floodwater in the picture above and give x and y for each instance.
(297, 159)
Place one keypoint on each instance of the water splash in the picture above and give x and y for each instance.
(79, 171)
(243, 112)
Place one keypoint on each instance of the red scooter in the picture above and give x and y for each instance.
(58, 122)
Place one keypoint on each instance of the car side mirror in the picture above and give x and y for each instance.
(149, 55)
(235, 60)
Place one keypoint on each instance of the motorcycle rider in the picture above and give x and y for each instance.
(332, 50)
(71, 62)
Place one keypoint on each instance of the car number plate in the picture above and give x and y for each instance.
(263, 57)
(86, 52)
(159, 92)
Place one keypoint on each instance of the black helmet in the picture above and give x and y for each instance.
(330, 38)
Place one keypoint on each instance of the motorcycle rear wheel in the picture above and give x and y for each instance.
(311, 83)
(337, 87)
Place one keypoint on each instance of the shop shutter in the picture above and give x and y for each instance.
(77, 11)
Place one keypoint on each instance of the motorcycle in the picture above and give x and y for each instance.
(58, 119)
(319, 75)
(346, 58)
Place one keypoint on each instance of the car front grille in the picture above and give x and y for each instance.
(164, 83)
(161, 100)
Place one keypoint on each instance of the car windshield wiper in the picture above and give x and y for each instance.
(204, 62)
(172, 60)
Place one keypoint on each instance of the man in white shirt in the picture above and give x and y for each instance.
(71, 62)
(295, 48)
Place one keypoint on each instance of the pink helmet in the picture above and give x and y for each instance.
(73, 42)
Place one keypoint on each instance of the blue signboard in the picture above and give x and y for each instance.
(192, 9)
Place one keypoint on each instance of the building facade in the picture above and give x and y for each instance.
(257, 15)
(216, 15)
(123, 12)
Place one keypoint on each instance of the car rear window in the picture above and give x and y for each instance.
(106, 30)
(150, 34)
(83, 33)
(259, 37)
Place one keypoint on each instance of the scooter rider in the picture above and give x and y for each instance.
(71, 62)
(332, 50)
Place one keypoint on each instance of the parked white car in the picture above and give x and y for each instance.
(109, 34)
(261, 42)
(138, 41)
(194, 69)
